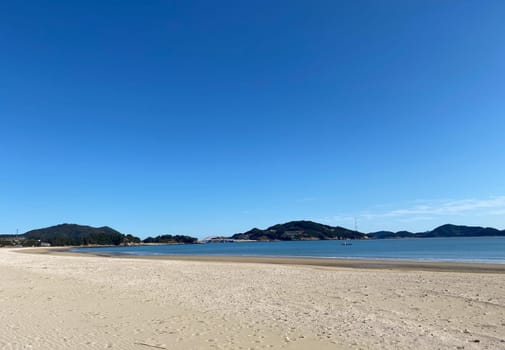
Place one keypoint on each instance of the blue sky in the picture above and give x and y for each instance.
(206, 118)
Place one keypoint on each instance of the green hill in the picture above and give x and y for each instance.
(447, 230)
(461, 231)
(72, 234)
(171, 239)
(299, 230)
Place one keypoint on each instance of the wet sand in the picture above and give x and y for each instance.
(321, 262)
(58, 300)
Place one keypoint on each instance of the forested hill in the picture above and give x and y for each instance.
(171, 239)
(72, 234)
(299, 230)
(76, 235)
(309, 230)
(447, 230)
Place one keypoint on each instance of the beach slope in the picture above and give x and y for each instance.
(75, 302)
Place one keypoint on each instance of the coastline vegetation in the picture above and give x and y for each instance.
(79, 235)
(171, 239)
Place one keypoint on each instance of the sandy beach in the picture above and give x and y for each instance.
(57, 301)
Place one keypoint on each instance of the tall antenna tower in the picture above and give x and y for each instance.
(355, 224)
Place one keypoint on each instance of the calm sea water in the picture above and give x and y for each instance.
(474, 249)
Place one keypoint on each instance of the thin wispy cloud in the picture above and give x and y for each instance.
(415, 219)
(488, 206)
(497, 212)
(422, 214)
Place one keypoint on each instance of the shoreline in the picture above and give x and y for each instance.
(401, 265)
(52, 299)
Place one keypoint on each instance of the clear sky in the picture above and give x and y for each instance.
(212, 117)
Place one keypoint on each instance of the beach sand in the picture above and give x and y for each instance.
(57, 301)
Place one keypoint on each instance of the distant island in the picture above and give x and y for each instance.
(299, 231)
(309, 230)
(171, 239)
(303, 230)
(447, 230)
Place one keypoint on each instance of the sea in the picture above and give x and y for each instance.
(471, 249)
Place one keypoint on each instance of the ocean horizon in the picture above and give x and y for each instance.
(462, 249)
